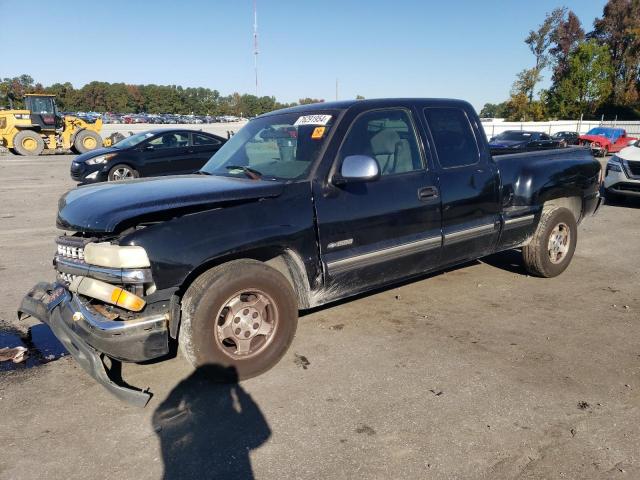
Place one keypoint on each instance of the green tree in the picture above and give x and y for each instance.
(539, 42)
(619, 30)
(307, 101)
(566, 36)
(587, 82)
(12, 90)
(494, 110)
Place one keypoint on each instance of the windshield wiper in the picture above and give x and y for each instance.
(202, 172)
(252, 173)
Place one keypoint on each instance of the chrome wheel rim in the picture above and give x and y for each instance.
(246, 324)
(558, 245)
(122, 173)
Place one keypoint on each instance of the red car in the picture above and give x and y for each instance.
(605, 140)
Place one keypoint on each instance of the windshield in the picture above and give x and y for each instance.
(275, 147)
(133, 140)
(612, 133)
(522, 136)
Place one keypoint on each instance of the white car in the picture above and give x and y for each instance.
(622, 177)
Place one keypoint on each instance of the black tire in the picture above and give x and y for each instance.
(28, 142)
(541, 260)
(86, 140)
(117, 171)
(203, 313)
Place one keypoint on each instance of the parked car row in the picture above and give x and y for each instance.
(601, 140)
(514, 141)
(167, 118)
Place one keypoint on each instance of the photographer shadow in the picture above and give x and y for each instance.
(207, 429)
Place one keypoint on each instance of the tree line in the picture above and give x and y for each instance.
(592, 73)
(124, 98)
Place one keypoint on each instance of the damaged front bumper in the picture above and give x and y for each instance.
(89, 336)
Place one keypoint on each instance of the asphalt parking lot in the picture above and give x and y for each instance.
(478, 372)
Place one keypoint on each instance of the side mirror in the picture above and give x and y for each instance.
(492, 139)
(148, 148)
(358, 168)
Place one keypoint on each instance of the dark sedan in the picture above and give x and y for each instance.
(514, 141)
(148, 154)
(566, 138)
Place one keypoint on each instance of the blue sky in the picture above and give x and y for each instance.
(376, 48)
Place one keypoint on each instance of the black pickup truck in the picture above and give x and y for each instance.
(302, 207)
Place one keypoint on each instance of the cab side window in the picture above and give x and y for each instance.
(199, 140)
(170, 140)
(454, 139)
(386, 135)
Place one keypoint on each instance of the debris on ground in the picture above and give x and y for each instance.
(365, 429)
(582, 405)
(339, 326)
(15, 354)
(301, 361)
(436, 393)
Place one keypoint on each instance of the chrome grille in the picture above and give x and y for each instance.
(70, 248)
(71, 252)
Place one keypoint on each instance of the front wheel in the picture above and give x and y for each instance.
(28, 142)
(86, 140)
(122, 172)
(551, 249)
(242, 314)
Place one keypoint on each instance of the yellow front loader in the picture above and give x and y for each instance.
(40, 126)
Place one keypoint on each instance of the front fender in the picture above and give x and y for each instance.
(180, 248)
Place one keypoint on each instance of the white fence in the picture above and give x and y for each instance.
(494, 127)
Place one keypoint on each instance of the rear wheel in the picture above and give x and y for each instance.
(242, 314)
(551, 249)
(122, 172)
(28, 142)
(86, 140)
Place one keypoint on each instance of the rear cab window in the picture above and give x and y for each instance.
(453, 137)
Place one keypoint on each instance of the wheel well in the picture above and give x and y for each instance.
(287, 262)
(126, 163)
(573, 204)
(34, 128)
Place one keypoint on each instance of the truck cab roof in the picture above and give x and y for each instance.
(372, 103)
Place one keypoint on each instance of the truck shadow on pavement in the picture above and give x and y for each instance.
(207, 430)
(509, 260)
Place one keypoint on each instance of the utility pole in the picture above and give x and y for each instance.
(255, 42)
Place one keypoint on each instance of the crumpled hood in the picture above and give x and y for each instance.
(596, 138)
(104, 207)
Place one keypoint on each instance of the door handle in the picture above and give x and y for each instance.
(190, 150)
(428, 193)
